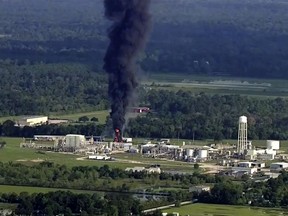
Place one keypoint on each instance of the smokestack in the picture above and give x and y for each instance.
(127, 38)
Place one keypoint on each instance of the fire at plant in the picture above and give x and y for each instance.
(118, 135)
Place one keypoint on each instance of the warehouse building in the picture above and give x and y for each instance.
(31, 121)
(277, 167)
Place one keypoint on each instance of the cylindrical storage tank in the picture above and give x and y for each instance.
(189, 152)
(75, 140)
(273, 144)
(203, 153)
(242, 119)
(70, 141)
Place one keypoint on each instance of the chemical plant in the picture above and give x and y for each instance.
(233, 159)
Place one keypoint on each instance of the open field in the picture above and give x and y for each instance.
(101, 115)
(12, 152)
(218, 85)
(225, 210)
(30, 190)
(7, 206)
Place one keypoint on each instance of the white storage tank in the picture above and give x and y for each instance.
(189, 152)
(273, 144)
(75, 140)
(203, 153)
(242, 119)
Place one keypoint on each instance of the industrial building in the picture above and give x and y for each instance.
(199, 188)
(143, 169)
(139, 109)
(229, 155)
(99, 157)
(273, 144)
(31, 121)
(248, 170)
(277, 167)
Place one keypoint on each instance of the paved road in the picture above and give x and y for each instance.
(166, 206)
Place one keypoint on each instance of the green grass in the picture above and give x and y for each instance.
(101, 115)
(165, 164)
(175, 82)
(31, 190)
(12, 152)
(224, 210)
(7, 206)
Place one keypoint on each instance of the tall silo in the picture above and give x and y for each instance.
(242, 135)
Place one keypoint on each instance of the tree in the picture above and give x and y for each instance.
(8, 128)
(94, 119)
(2, 144)
(196, 166)
(83, 119)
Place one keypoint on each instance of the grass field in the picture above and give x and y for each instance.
(7, 206)
(101, 115)
(12, 152)
(224, 210)
(30, 190)
(218, 85)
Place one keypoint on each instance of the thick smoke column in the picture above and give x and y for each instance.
(127, 38)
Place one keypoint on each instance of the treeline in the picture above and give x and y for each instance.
(237, 38)
(46, 88)
(272, 193)
(9, 129)
(184, 115)
(47, 174)
(68, 203)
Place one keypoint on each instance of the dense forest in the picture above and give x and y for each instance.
(51, 55)
(45, 88)
(104, 178)
(68, 203)
(182, 114)
(237, 38)
(185, 115)
(271, 193)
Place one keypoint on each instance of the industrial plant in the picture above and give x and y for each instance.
(233, 159)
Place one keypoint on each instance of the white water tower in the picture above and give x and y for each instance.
(242, 135)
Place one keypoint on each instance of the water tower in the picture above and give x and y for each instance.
(242, 135)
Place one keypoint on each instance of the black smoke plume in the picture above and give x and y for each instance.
(127, 38)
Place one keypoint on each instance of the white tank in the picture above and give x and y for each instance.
(203, 153)
(75, 140)
(242, 119)
(189, 152)
(273, 144)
